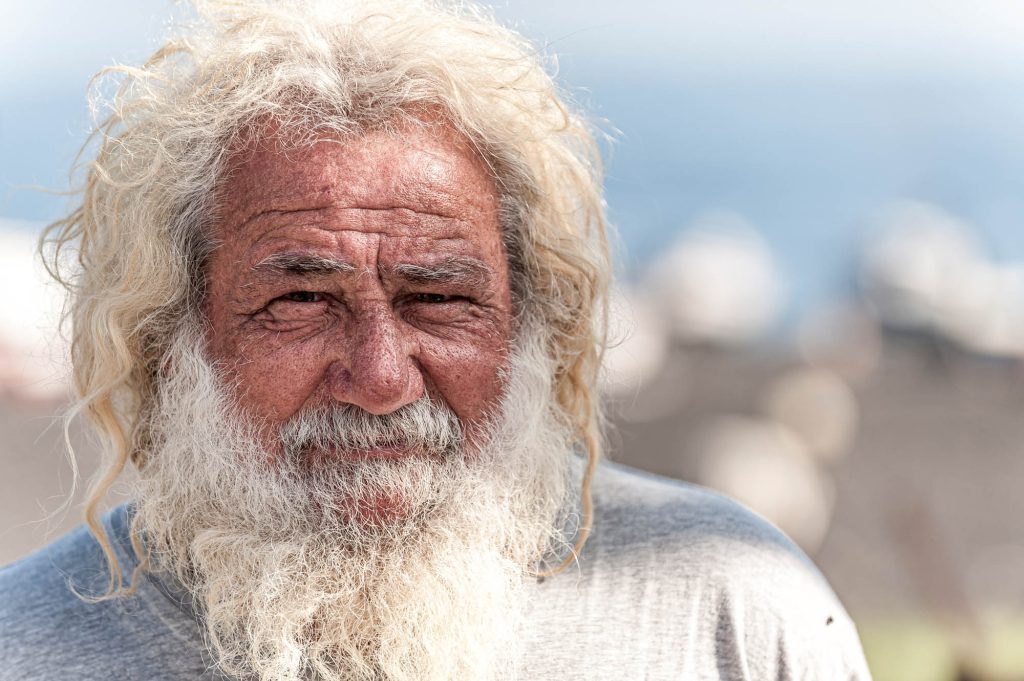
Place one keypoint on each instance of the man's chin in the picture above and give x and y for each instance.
(376, 490)
(376, 512)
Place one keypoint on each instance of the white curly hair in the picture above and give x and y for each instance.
(139, 236)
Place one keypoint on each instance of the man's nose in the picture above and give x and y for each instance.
(376, 370)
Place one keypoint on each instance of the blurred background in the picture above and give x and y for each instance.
(820, 299)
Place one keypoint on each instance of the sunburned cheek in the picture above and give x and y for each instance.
(273, 382)
(469, 376)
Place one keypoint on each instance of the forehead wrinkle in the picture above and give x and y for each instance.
(393, 220)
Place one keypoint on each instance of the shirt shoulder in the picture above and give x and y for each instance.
(659, 517)
(750, 602)
(54, 626)
(44, 615)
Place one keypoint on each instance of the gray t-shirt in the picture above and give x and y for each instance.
(675, 583)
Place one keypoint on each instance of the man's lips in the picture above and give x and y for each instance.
(382, 452)
(390, 452)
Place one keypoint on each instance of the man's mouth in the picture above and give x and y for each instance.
(390, 451)
(380, 452)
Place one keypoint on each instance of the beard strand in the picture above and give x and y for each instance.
(290, 583)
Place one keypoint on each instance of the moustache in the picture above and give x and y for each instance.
(427, 427)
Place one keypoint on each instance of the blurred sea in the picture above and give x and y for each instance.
(810, 162)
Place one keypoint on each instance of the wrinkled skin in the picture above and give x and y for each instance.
(292, 333)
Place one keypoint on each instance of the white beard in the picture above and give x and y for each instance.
(290, 585)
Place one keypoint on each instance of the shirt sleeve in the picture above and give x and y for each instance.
(778, 619)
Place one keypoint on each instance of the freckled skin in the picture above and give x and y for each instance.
(292, 341)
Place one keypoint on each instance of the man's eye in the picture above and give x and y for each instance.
(432, 298)
(302, 297)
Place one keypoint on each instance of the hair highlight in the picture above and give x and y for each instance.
(132, 252)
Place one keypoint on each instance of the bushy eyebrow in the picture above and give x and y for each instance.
(456, 270)
(303, 263)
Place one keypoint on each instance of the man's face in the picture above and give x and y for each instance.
(353, 278)
(367, 272)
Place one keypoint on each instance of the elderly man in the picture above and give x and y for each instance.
(337, 297)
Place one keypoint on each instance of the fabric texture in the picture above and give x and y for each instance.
(676, 582)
